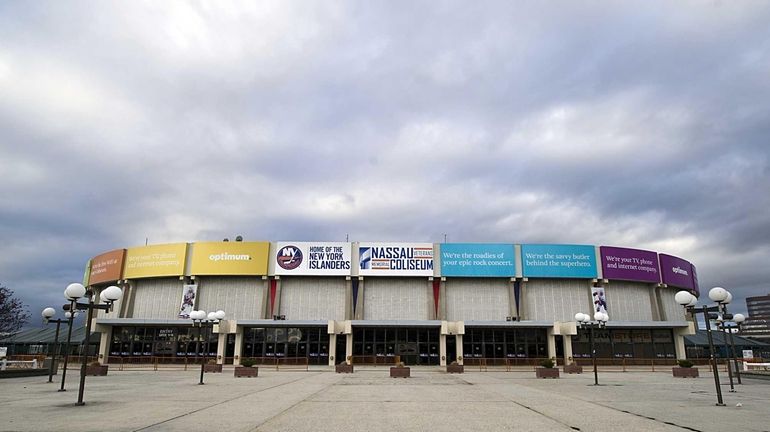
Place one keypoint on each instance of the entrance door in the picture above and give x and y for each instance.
(340, 350)
(451, 348)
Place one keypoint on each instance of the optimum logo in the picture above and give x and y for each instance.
(679, 270)
(289, 257)
(224, 256)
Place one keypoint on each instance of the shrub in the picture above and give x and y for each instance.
(400, 364)
(547, 363)
(685, 363)
(247, 362)
(212, 361)
(95, 363)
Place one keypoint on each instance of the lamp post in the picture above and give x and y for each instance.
(599, 322)
(201, 319)
(737, 320)
(71, 314)
(48, 313)
(109, 296)
(689, 301)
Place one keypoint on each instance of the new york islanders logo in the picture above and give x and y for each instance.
(289, 257)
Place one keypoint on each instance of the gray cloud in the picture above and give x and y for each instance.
(634, 124)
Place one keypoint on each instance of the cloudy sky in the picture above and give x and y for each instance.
(640, 124)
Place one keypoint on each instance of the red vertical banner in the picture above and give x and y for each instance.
(436, 294)
(273, 284)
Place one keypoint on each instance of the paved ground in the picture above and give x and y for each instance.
(371, 401)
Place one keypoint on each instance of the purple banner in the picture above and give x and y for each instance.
(629, 264)
(676, 272)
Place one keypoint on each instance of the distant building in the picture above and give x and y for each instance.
(757, 325)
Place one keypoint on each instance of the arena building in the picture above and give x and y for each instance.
(422, 303)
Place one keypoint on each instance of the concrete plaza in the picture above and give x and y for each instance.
(368, 400)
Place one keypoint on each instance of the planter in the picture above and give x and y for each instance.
(542, 372)
(573, 368)
(680, 372)
(245, 372)
(399, 372)
(212, 368)
(343, 368)
(455, 368)
(97, 370)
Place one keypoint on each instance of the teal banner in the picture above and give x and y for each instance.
(561, 261)
(477, 260)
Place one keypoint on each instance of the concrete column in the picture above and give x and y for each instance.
(567, 342)
(238, 346)
(679, 347)
(460, 354)
(104, 344)
(551, 343)
(333, 349)
(442, 350)
(221, 346)
(349, 346)
(523, 311)
(348, 299)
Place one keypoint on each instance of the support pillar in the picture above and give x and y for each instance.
(460, 354)
(551, 339)
(238, 346)
(349, 348)
(104, 344)
(333, 349)
(567, 342)
(442, 350)
(221, 347)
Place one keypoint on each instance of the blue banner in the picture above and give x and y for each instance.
(561, 261)
(477, 260)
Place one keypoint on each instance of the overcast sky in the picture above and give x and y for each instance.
(642, 125)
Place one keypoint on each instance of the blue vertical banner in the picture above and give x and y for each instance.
(560, 261)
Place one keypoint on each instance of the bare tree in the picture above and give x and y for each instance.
(13, 313)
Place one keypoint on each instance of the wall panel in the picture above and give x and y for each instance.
(397, 299)
(477, 299)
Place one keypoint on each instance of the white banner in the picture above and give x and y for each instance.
(600, 301)
(312, 258)
(189, 292)
(395, 259)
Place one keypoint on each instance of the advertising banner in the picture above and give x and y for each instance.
(561, 261)
(600, 301)
(155, 261)
(229, 258)
(188, 300)
(107, 267)
(312, 258)
(629, 264)
(395, 259)
(477, 260)
(676, 271)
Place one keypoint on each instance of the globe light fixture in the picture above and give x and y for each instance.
(48, 313)
(719, 314)
(202, 319)
(583, 321)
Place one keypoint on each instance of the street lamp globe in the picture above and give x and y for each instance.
(739, 318)
(111, 294)
(220, 315)
(49, 312)
(718, 294)
(69, 315)
(684, 298)
(729, 298)
(579, 316)
(74, 291)
(212, 316)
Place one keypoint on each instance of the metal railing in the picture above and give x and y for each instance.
(375, 360)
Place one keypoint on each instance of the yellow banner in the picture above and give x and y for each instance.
(229, 258)
(155, 261)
